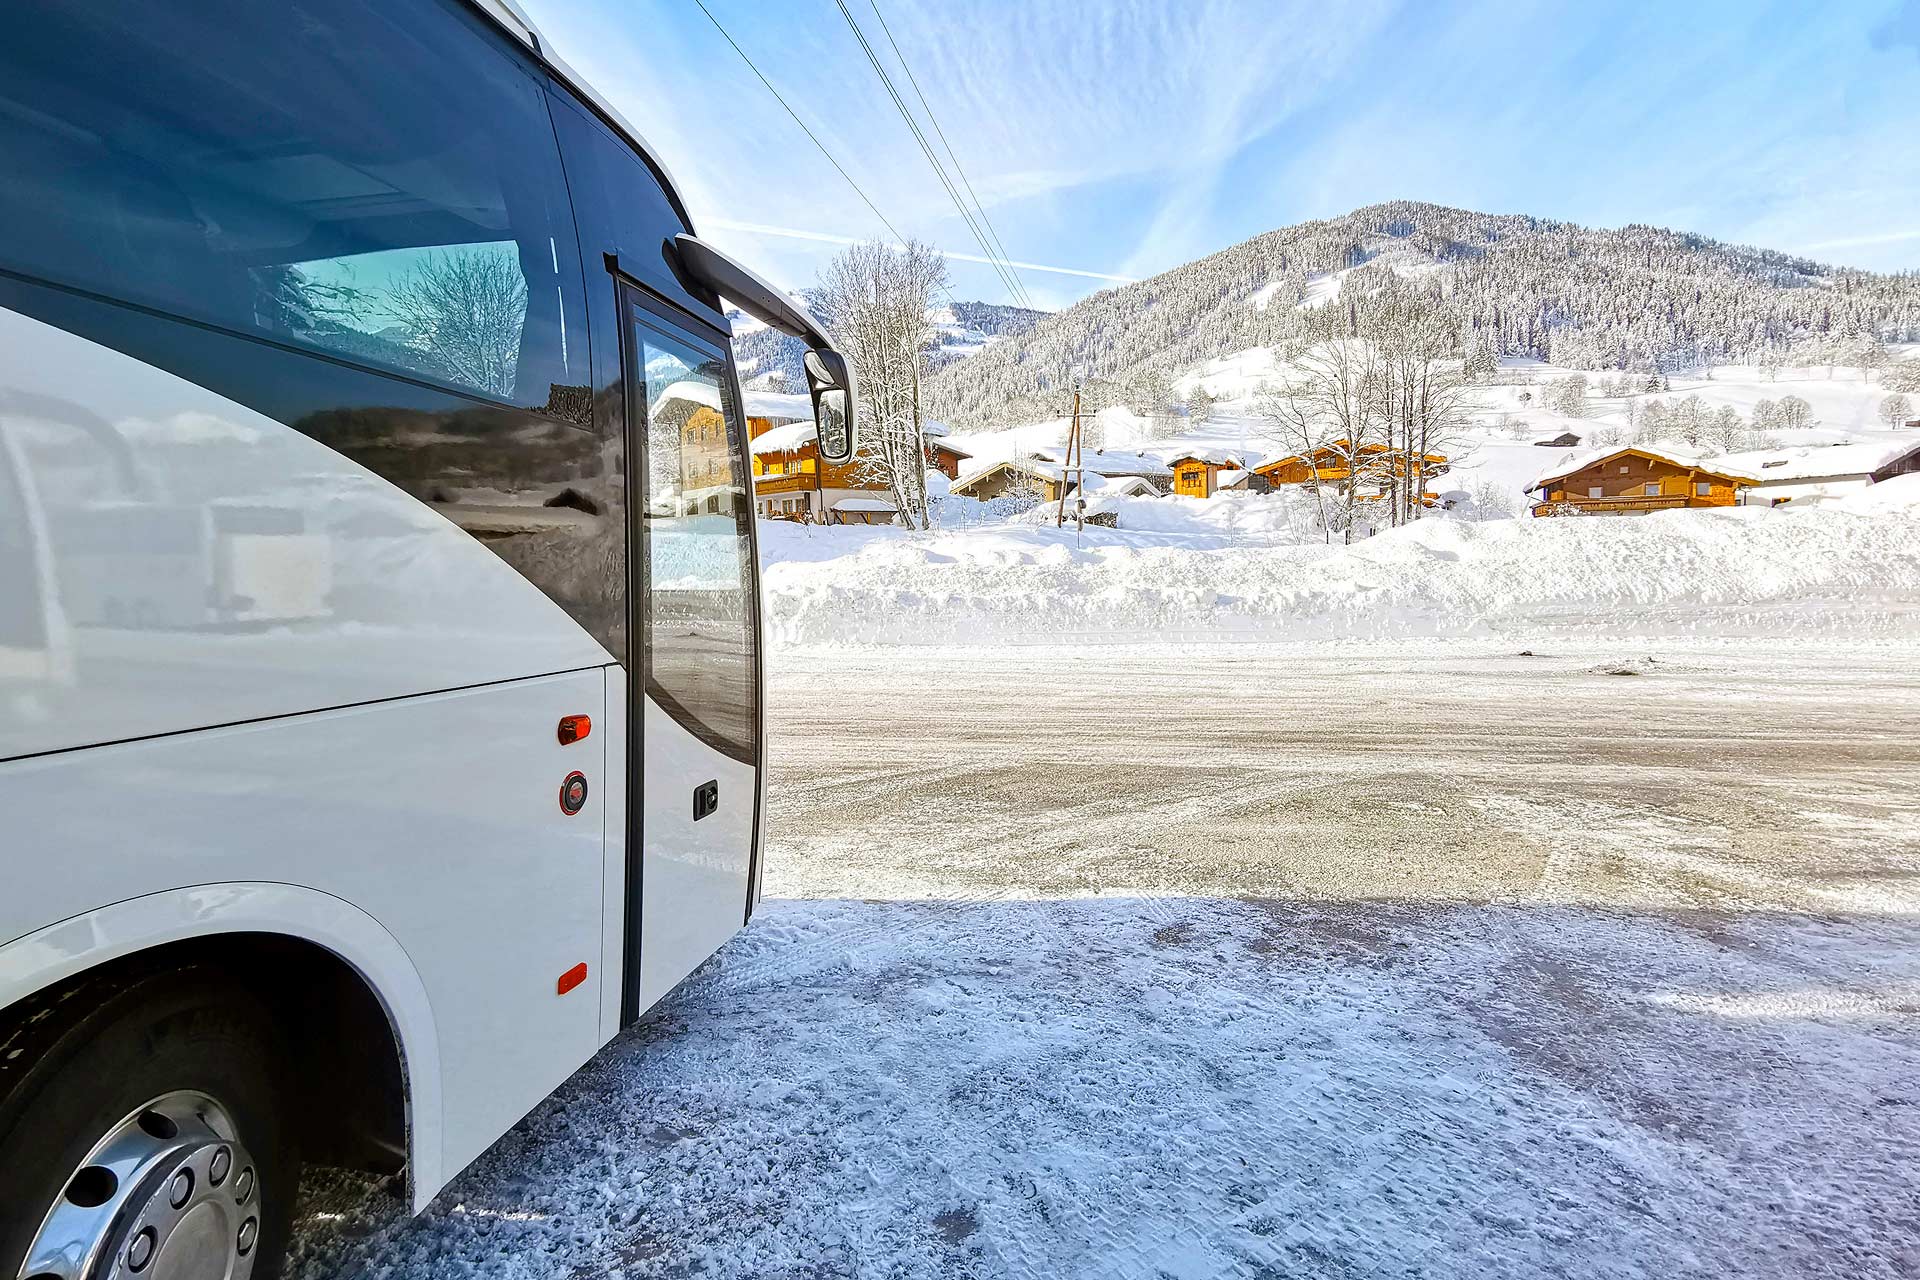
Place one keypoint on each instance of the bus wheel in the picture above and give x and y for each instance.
(144, 1139)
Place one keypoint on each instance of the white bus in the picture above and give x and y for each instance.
(380, 693)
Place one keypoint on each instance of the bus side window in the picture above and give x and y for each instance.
(380, 182)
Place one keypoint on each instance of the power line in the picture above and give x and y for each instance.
(884, 220)
(797, 120)
(928, 107)
(926, 148)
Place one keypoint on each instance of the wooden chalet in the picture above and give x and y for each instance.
(1201, 475)
(1335, 464)
(945, 458)
(790, 482)
(1632, 481)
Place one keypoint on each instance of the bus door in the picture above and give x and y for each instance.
(697, 698)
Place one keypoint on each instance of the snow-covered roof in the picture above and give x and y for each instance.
(787, 439)
(1212, 457)
(931, 428)
(1678, 455)
(1022, 466)
(1229, 478)
(759, 404)
(689, 389)
(944, 447)
(778, 404)
(1815, 462)
(1110, 462)
(864, 504)
(1119, 486)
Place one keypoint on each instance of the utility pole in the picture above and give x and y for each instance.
(1075, 459)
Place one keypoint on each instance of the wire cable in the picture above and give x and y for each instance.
(898, 239)
(993, 232)
(926, 149)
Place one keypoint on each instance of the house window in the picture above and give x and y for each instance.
(1623, 468)
(1653, 488)
(1703, 488)
(1594, 492)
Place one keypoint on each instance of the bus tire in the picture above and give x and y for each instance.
(178, 1080)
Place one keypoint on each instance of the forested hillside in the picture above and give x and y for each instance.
(960, 329)
(1635, 298)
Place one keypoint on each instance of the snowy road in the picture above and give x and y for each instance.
(1267, 962)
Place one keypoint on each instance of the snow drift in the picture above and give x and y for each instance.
(1843, 569)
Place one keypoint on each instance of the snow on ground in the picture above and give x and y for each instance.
(1177, 984)
(1239, 566)
(1206, 1089)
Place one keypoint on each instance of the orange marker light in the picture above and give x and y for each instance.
(572, 978)
(574, 728)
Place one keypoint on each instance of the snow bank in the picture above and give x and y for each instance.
(1214, 571)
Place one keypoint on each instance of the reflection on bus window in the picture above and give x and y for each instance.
(699, 621)
(386, 187)
(454, 314)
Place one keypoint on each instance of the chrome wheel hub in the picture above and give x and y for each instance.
(166, 1194)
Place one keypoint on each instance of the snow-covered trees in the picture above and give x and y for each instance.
(1794, 412)
(874, 299)
(1568, 395)
(1896, 410)
(1728, 430)
(1481, 366)
(1902, 377)
(1199, 407)
(1149, 393)
(1491, 501)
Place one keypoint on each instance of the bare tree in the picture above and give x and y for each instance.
(1425, 397)
(465, 309)
(874, 299)
(1332, 409)
(1896, 409)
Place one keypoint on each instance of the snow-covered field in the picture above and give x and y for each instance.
(1086, 964)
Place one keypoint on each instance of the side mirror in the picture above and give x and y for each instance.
(830, 383)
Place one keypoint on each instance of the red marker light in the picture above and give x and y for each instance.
(572, 978)
(574, 728)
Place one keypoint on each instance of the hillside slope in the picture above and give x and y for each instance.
(959, 330)
(1633, 297)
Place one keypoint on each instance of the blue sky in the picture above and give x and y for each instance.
(1125, 137)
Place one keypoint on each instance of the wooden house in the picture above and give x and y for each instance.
(790, 482)
(945, 458)
(1044, 473)
(1015, 475)
(1631, 481)
(1205, 473)
(1335, 465)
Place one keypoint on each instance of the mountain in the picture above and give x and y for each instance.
(1636, 297)
(960, 330)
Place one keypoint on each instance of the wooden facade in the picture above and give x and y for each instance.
(1634, 481)
(944, 458)
(1335, 464)
(792, 483)
(1199, 477)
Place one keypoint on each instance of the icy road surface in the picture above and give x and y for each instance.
(1261, 962)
